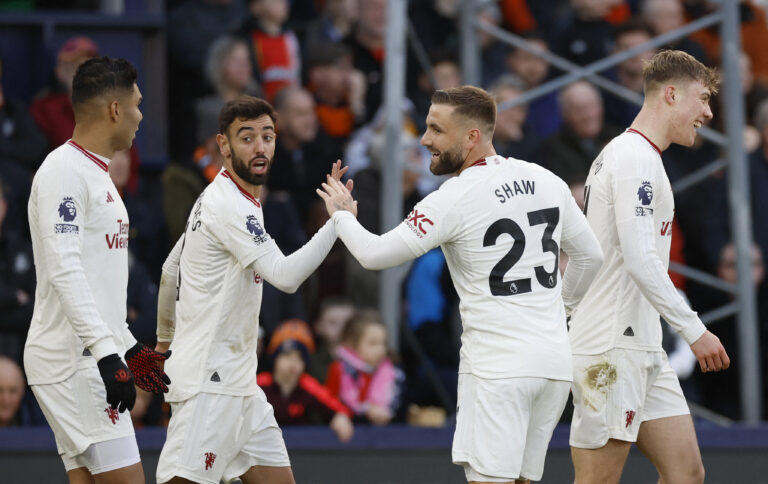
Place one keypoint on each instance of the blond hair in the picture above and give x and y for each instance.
(676, 65)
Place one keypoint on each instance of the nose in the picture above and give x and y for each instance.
(424, 140)
(708, 111)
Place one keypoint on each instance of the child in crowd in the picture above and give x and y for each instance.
(297, 398)
(333, 314)
(363, 377)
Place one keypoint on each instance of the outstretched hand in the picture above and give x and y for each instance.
(337, 196)
(337, 172)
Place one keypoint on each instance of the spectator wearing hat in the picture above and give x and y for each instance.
(52, 108)
(297, 398)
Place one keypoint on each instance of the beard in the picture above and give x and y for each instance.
(447, 162)
(243, 169)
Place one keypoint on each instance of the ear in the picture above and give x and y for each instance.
(223, 143)
(114, 110)
(670, 93)
(473, 137)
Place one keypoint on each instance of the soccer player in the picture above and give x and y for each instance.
(208, 312)
(624, 390)
(501, 223)
(78, 332)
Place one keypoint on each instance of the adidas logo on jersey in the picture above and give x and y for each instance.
(215, 377)
(628, 331)
(109, 198)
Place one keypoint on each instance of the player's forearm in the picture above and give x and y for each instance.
(166, 294)
(374, 252)
(288, 273)
(585, 257)
(647, 271)
(67, 277)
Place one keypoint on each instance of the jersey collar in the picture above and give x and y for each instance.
(633, 130)
(247, 195)
(100, 161)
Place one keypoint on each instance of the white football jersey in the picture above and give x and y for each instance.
(218, 294)
(79, 229)
(500, 225)
(629, 205)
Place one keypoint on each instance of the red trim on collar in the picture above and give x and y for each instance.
(480, 162)
(247, 195)
(88, 155)
(633, 130)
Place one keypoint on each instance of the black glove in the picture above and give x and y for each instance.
(143, 364)
(118, 381)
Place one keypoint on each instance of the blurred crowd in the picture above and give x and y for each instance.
(324, 353)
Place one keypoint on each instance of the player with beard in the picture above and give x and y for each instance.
(501, 223)
(208, 311)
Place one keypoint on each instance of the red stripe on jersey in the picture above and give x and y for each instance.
(88, 155)
(480, 162)
(633, 130)
(247, 195)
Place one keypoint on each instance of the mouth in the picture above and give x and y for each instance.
(259, 166)
(697, 124)
(435, 155)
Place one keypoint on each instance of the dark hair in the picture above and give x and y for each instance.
(100, 75)
(634, 24)
(326, 54)
(355, 327)
(244, 107)
(670, 65)
(470, 102)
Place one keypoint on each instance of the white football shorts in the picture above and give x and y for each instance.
(616, 391)
(83, 422)
(213, 436)
(503, 426)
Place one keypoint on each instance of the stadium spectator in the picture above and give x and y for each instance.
(332, 315)
(229, 71)
(513, 136)
(297, 397)
(12, 389)
(52, 108)
(666, 15)
(445, 73)
(570, 152)
(275, 48)
(193, 26)
(492, 51)
(618, 111)
(339, 90)
(17, 286)
(362, 284)
(438, 26)
(367, 44)
(543, 113)
(332, 26)
(432, 318)
(363, 377)
(21, 142)
(586, 36)
(303, 153)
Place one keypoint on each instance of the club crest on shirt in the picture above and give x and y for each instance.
(67, 210)
(645, 193)
(255, 229)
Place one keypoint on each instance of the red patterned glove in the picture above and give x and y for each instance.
(143, 364)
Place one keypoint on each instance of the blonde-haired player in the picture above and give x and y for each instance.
(624, 389)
